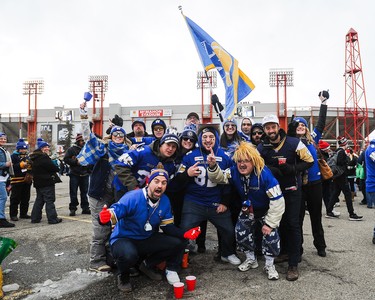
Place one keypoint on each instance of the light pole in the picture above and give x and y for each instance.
(282, 78)
(206, 80)
(98, 86)
(32, 87)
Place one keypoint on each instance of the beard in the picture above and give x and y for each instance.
(273, 137)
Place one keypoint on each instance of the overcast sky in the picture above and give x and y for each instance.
(147, 52)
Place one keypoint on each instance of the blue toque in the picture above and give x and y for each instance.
(169, 138)
(301, 120)
(21, 144)
(117, 129)
(41, 143)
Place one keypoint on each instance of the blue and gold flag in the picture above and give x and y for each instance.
(237, 84)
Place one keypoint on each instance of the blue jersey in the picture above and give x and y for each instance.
(134, 210)
(259, 190)
(200, 189)
(313, 173)
(140, 161)
(145, 140)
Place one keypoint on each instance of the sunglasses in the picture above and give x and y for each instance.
(118, 134)
(158, 128)
(187, 139)
(257, 133)
(230, 125)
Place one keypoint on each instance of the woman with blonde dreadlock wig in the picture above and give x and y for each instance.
(262, 205)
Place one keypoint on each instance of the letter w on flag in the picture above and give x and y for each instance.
(237, 84)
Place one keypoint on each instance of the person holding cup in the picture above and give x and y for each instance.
(277, 144)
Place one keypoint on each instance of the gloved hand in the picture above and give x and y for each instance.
(323, 96)
(192, 233)
(118, 121)
(215, 101)
(105, 215)
(292, 127)
(287, 169)
(83, 110)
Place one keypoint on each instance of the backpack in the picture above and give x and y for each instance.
(336, 170)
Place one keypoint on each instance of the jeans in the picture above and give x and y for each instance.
(193, 214)
(155, 249)
(370, 197)
(20, 195)
(44, 195)
(99, 247)
(3, 199)
(81, 182)
(290, 229)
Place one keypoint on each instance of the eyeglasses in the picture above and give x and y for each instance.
(118, 134)
(187, 139)
(256, 133)
(246, 124)
(230, 125)
(244, 161)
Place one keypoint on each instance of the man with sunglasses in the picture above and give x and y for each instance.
(158, 128)
(256, 134)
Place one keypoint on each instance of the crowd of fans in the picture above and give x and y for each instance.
(254, 184)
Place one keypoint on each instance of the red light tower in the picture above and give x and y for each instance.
(281, 78)
(98, 86)
(32, 87)
(356, 123)
(206, 81)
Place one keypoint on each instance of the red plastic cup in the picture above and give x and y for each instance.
(191, 282)
(282, 160)
(178, 288)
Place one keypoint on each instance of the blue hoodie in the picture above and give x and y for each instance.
(200, 189)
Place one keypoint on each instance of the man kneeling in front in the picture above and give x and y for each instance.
(136, 218)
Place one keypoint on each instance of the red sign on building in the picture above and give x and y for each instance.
(150, 113)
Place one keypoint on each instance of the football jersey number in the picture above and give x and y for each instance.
(201, 178)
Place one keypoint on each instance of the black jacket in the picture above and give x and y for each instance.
(70, 158)
(43, 169)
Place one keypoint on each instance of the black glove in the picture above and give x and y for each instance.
(287, 169)
(323, 95)
(216, 103)
(292, 127)
(118, 121)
